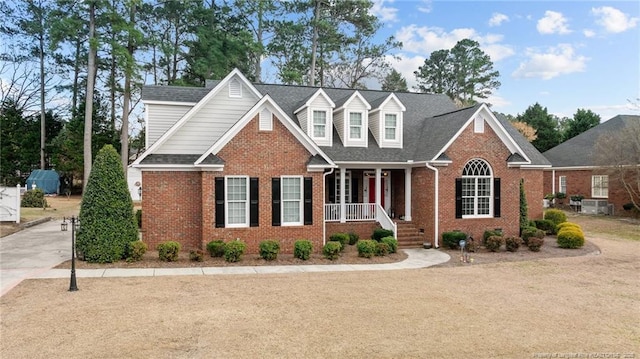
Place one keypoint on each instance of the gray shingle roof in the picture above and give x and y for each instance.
(578, 151)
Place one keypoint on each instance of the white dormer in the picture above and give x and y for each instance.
(351, 119)
(316, 118)
(386, 122)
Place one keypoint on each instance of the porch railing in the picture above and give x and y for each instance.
(360, 212)
(385, 221)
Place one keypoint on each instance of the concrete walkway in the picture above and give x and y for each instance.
(33, 252)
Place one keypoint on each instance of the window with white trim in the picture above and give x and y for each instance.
(355, 125)
(291, 189)
(319, 124)
(562, 184)
(391, 126)
(476, 188)
(600, 186)
(237, 201)
(347, 187)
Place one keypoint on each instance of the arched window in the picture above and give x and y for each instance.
(477, 188)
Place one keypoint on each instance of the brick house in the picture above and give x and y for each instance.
(236, 160)
(575, 171)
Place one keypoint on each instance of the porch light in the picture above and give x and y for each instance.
(64, 224)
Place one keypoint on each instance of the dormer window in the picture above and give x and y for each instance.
(319, 124)
(355, 125)
(391, 127)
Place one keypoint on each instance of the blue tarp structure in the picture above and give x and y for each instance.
(46, 180)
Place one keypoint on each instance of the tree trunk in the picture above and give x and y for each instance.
(43, 127)
(88, 112)
(76, 79)
(124, 132)
(314, 44)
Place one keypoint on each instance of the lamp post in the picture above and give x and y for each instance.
(73, 286)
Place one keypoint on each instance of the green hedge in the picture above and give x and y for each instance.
(302, 249)
(269, 249)
(234, 250)
(342, 238)
(168, 251)
(34, 199)
(380, 233)
(367, 248)
(332, 250)
(453, 238)
(555, 215)
(216, 248)
(392, 243)
(570, 238)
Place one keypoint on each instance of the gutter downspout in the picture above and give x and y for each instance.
(437, 206)
(324, 222)
(553, 181)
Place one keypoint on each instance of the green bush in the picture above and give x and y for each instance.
(382, 249)
(493, 243)
(139, 218)
(570, 238)
(534, 244)
(136, 250)
(234, 250)
(367, 248)
(353, 238)
(512, 243)
(453, 238)
(529, 232)
(302, 249)
(33, 199)
(196, 256)
(555, 215)
(269, 249)
(548, 226)
(392, 243)
(380, 233)
(216, 248)
(168, 251)
(107, 220)
(490, 232)
(341, 238)
(331, 250)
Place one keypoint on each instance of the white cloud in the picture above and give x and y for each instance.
(553, 22)
(424, 40)
(497, 19)
(406, 65)
(613, 20)
(425, 6)
(556, 61)
(384, 13)
(497, 102)
(588, 33)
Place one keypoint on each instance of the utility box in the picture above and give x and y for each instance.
(595, 206)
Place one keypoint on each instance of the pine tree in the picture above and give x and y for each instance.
(106, 214)
(524, 209)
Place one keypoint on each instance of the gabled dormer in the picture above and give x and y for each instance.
(386, 121)
(351, 118)
(316, 118)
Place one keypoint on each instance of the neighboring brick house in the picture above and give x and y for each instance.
(575, 171)
(237, 160)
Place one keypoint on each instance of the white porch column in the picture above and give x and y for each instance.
(378, 186)
(343, 205)
(407, 194)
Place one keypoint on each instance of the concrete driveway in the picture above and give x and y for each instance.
(32, 251)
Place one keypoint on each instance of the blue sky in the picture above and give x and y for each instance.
(563, 55)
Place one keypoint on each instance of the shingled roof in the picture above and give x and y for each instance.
(578, 151)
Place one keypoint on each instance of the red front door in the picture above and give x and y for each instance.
(372, 191)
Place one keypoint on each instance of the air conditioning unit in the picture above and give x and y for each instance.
(595, 206)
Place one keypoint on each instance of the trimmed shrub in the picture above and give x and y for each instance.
(139, 218)
(269, 249)
(451, 239)
(567, 225)
(555, 215)
(341, 238)
(534, 244)
(302, 249)
(512, 243)
(331, 250)
(570, 238)
(493, 243)
(216, 248)
(488, 233)
(529, 232)
(168, 251)
(380, 233)
(196, 256)
(107, 220)
(234, 250)
(367, 248)
(33, 199)
(382, 249)
(353, 238)
(136, 250)
(392, 243)
(549, 227)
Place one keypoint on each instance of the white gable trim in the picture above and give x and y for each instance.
(497, 127)
(391, 97)
(351, 98)
(222, 85)
(320, 92)
(267, 102)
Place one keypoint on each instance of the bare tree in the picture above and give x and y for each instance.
(19, 84)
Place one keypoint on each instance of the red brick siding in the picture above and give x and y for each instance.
(422, 201)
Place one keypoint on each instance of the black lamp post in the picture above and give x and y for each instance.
(73, 286)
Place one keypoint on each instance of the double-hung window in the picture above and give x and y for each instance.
(600, 186)
(562, 184)
(390, 126)
(291, 201)
(319, 124)
(476, 189)
(237, 201)
(355, 125)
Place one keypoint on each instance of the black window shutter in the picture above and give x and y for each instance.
(275, 202)
(253, 202)
(308, 200)
(458, 197)
(332, 190)
(219, 188)
(354, 190)
(496, 197)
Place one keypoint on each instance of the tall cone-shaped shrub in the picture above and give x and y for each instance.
(107, 222)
